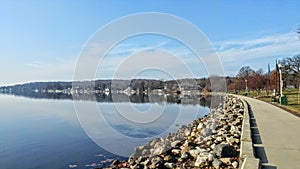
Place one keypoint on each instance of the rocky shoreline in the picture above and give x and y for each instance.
(209, 142)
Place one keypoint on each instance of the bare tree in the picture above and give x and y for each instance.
(245, 72)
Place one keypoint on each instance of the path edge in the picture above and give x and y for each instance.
(247, 158)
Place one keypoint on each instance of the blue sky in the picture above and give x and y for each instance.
(41, 40)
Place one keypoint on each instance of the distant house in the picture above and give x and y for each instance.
(106, 90)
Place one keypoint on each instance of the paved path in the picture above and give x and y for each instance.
(278, 135)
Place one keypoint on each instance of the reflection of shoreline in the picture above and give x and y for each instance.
(203, 100)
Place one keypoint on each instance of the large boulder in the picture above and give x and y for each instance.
(224, 150)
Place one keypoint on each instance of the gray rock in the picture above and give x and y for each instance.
(170, 165)
(184, 155)
(210, 157)
(156, 160)
(227, 127)
(195, 152)
(153, 142)
(216, 163)
(139, 148)
(235, 164)
(201, 161)
(206, 132)
(145, 152)
(158, 150)
(224, 150)
(175, 143)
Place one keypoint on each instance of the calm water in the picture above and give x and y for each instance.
(49, 133)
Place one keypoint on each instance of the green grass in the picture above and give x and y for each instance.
(293, 102)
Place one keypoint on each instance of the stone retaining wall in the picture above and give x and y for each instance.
(248, 160)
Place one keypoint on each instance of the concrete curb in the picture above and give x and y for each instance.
(247, 158)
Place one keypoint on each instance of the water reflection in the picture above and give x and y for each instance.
(44, 132)
(203, 100)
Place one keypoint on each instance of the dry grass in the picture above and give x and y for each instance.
(293, 102)
(292, 95)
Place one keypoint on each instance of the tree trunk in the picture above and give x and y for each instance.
(298, 93)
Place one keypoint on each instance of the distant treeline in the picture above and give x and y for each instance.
(250, 79)
(202, 84)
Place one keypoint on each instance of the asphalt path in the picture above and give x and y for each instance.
(276, 135)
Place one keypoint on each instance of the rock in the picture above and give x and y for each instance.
(151, 151)
(226, 160)
(139, 148)
(145, 152)
(187, 133)
(176, 151)
(201, 162)
(137, 166)
(175, 143)
(233, 128)
(236, 135)
(224, 150)
(189, 143)
(153, 142)
(115, 162)
(146, 162)
(200, 126)
(206, 132)
(227, 127)
(213, 125)
(235, 164)
(140, 159)
(185, 148)
(193, 134)
(156, 160)
(210, 157)
(158, 150)
(213, 146)
(220, 133)
(207, 142)
(131, 161)
(170, 165)
(216, 163)
(195, 152)
(167, 158)
(167, 145)
(184, 155)
(219, 139)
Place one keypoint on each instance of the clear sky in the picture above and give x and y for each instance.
(41, 40)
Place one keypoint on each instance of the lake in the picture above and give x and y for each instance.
(84, 131)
